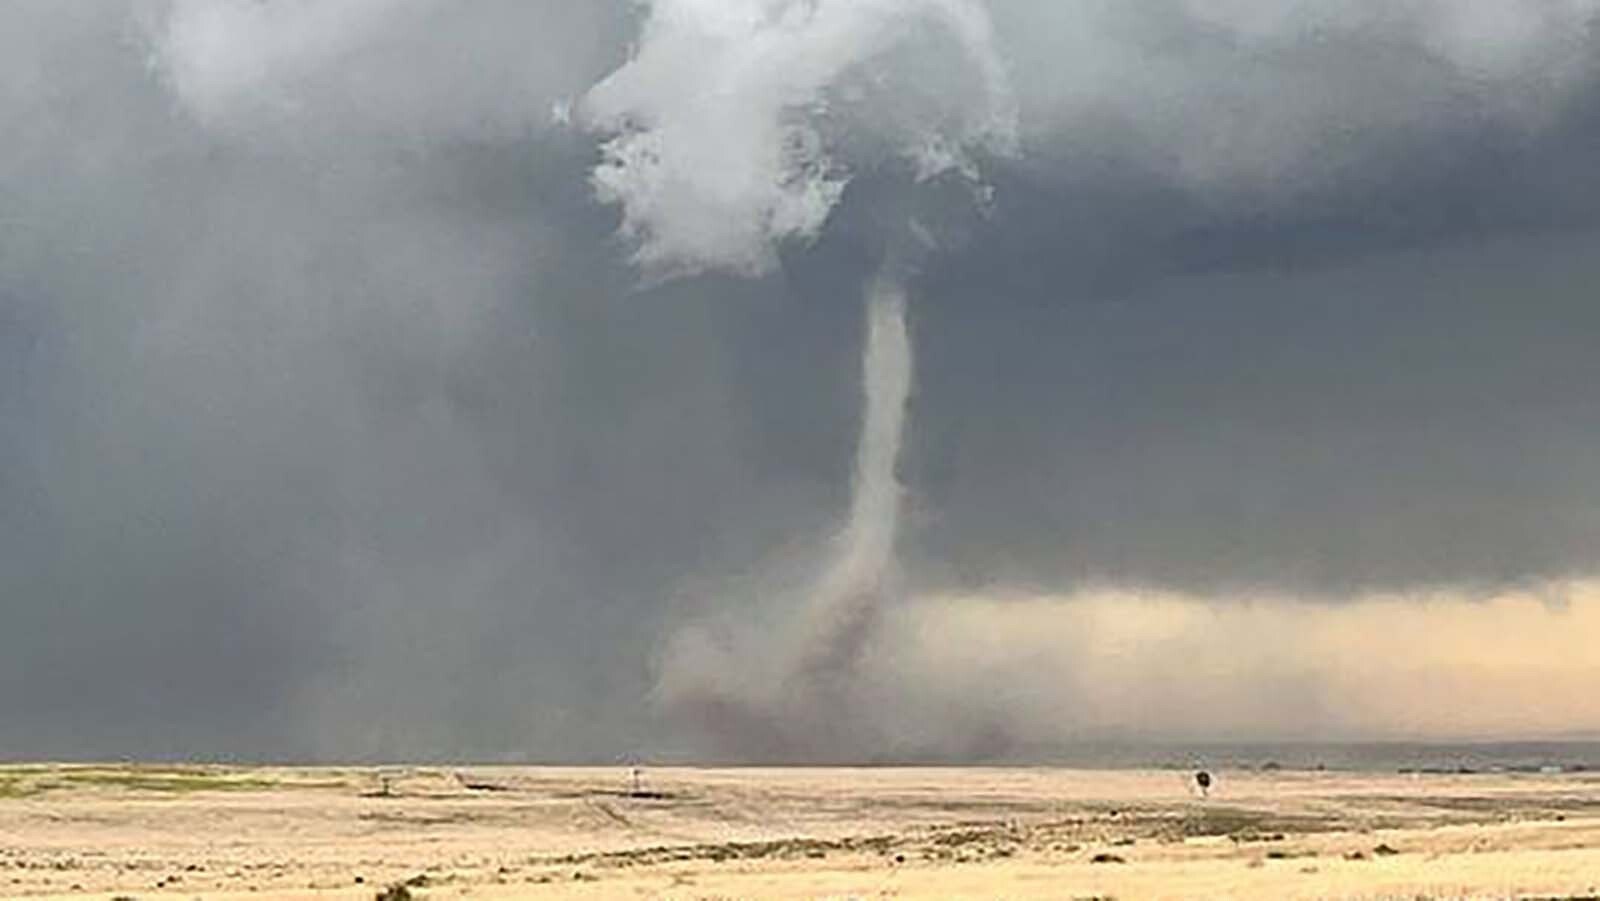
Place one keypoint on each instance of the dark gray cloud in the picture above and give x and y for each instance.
(334, 420)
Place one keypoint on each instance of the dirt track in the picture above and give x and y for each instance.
(152, 832)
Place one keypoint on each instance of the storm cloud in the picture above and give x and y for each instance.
(345, 411)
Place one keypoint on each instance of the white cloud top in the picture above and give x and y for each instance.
(719, 147)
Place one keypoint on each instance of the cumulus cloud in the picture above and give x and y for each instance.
(721, 122)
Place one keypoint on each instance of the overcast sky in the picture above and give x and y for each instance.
(365, 392)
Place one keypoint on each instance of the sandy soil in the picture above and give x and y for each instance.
(203, 832)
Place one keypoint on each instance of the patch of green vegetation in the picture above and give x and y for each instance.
(29, 780)
(176, 780)
(12, 788)
(19, 771)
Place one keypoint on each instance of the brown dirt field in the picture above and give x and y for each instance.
(150, 832)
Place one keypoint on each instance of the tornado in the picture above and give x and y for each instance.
(860, 578)
(732, 133)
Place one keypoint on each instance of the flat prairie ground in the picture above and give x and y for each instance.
(150, 832)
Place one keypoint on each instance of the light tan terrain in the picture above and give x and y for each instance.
(207, 832)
